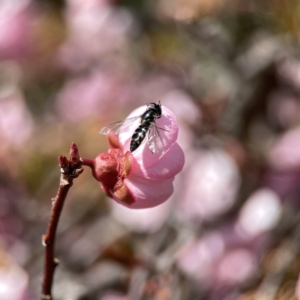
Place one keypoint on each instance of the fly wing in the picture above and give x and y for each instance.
(117, 126)
(155, 141)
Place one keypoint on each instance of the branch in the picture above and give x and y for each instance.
(70, 169)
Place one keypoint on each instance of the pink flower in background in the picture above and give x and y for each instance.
(95, 29)
(236, 266)
(15, 119)
(140, 179)
(211, 184)
(283, 109)
(220, 258)
(285, 155)
(13, 278)
(182, 105)
(197, 258)
(260, 213)
(142, 220)
(98, 89)
(187, 113)
(16, 29)
(153, 87)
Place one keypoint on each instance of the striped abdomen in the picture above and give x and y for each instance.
(139, 135)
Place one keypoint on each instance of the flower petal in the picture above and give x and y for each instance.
(142, 220)
(148, 193)
(170, 164)
(143, 155)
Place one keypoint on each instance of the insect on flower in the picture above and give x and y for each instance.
(147, 127)
(139, 180)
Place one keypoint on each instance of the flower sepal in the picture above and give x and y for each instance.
(111, 168)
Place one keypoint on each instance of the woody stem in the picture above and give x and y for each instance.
(70, 169)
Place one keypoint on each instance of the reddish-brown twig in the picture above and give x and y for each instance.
(70, 169)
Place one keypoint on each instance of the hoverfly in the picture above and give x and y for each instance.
(147, 127)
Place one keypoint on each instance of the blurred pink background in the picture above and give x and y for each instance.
(229, 71)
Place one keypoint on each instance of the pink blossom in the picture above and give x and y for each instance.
(212, 182)
(140, 179)
(236, 266)
(15, 30)
(198, 257)
(153, 87)
(142, 220)
(187, 113)
(98, 89)
(183, 106)
(15, 119)
(260, 213)
(283, 109)
(95, 28)
(220, 257)
(285, 155)
(13, 279)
